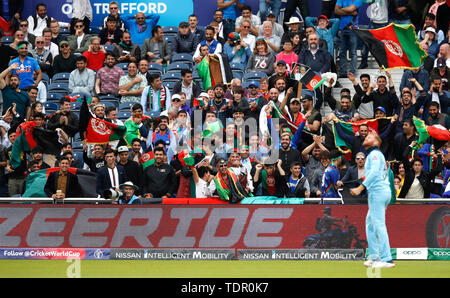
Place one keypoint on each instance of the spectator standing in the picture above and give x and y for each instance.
(57, 37)
(288, 55)
(115, 12)
(441, 70)
(111, 34)
(95, 55)
(65, 61)
(79, 41)
(399, 12)
(293, 26)
(292, 6)
(82, 79)
(133, 170)
(39, 21)
(108, 77)
(317, 58)
(348, 10)
(159, 178)
(126, 51)
(140, 26)
(229, 9)
(111, 175)
(218, 17)
(156, 49)
(23, 27)
(274, 5)
(326, 29)
(247, 15)
(97, 160)
(132, 84)
(214, 46)
(421, 75)
(6, 53)
(62, 184)
(384, 97)
(185, 41)
(82, 10)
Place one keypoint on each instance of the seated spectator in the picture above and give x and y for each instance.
(111, 175)
(294, 25)
(65, 61)
(216, 27)
(111, 34)
(159, 178)
(236, 49)
(126, 51)
(48, 44)
(39, 21)
(132, 84)
(42, 56)
(256, 100)
(64, 118)
(441, 70)
(140, 26)
(18, 37)
(430, 22)
(236, 84)
(435, 94)
(143, 69)
(261, 59)
(62, 184)
(436, 117)
(326, 29)
(81, 10)
(214, 46)
(95, 55)
(111, 115)
(82, 79)
(308, 31)
(247, 15)
(23, 27)
(136, 150)
(108, 77)
(245, 34)
(188, 86)
(272, 40)
(318, 59)
(185, 41)
(288, 55)
(15, 100)
(193, 22)
(156, 49)
(80, 41)
(27, 66)
(67, 150)
(162, 132)
(57, 37)
(114, 12)
(156, 96)
(431, 41)
(428, 61)
(37, 156)
(277, 29)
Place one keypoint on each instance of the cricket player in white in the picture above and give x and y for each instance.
(379, 196)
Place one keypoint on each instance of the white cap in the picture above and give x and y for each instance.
(122, 149)
(293, 20)
(204, 94)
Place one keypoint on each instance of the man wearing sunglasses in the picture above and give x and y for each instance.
(114, 12)
(43, 56)
(65, 61)
(23, 26)
(80, 41)
(140, 26)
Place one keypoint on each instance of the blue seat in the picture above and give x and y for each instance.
(155, 68)
(254, 75)
(108, 103)
(237, 74)
(123, 65)
(6, 40)
(61, 77)
(75, 106)
(64, 30)
(152, 114)
(50, 106)
(80, 94)
(237, 66)
(183, 58)
(169, 84)
(108, 47)
(58, 88)
(94, 30)
(45, 79)
(177, 66)
(171, 77)
(77, 144)
(125, 106)
(170, 30)
(122, 115)
(78, 154)
(54, 97)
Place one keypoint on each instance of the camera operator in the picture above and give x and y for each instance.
(236, 49)
(128, 189)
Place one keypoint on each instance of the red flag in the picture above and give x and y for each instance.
(101, 132)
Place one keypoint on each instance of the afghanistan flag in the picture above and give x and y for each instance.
(146, 159)
(192, 158)
(198, 103)
(35, 182)
(212, 128)
(394, 46)
(278, 113)
(437, 132)
(29, 137)
(213, 70)
(345, 131)
(312, 80)
(101, 132)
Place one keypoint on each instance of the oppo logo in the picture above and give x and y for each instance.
(412, 252)
(441, 253)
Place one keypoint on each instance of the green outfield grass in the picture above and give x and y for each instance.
(217, 269)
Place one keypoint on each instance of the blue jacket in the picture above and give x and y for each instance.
(326, 34)
(422, 76)
(330, 178)
(376, 172)
(138, 35)
(231, 54)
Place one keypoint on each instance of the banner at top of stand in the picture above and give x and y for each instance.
(171, 12)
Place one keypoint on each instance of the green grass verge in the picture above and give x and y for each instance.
(217, 269)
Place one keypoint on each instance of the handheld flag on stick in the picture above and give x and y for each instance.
(312, 80)
(394, 46)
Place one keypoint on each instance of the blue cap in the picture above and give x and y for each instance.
(254, 83)
(381, 109)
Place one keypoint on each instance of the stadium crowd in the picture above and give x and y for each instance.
(259, 131)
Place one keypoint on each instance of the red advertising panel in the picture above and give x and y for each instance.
(219, 226)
